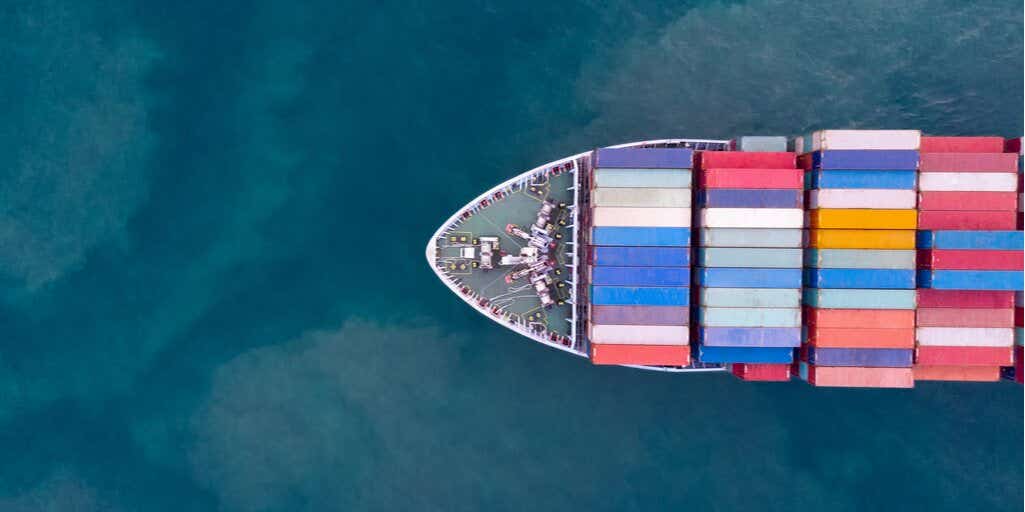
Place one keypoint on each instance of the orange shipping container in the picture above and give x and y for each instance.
(957, 373)
(858, 377)
(860, 318)
(655, 355)
(846, 337)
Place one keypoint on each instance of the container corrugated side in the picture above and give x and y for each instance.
(655, 355)
(864, 357)
(640, 256)
(847, 337)
(749, 336)
(970, 201)
(888, 279)
(641, 236)
(859, 299)
(965, 298)
(862, 159)
(641, 217)
(997, 240)
(749, 317)
(750, 297)
(642, 178)
(875, 199)
(957, 373)
(777, 355)
(763, 143)
(642, 197)
(964, 356)
(860, 258)
(848, 376)
(639, 296)
(966, 259)
(640, 276)
(969, 162)
(967, 181)
(985, 220)
(752, 217)
(640, 315)
(639, 334)
(1007, 280)
(749, 257)
(866, 139)
(654, 158)
(860, 318)
(965, 336)
(761, 372)
(741, 160)
(750, 237)
(933, 144)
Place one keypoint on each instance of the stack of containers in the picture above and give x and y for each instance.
(748, 280)
(859, 275)
(640, 257)
(1015, 373)
(969, 259)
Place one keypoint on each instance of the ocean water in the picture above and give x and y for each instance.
(212, 287)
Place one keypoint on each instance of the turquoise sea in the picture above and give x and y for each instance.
(212, 287)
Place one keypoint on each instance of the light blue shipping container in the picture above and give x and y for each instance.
(749, 317)
(642, 178)
(750, 237)
(750, 297)
(831, 298)
(749, 257)
(893, 259)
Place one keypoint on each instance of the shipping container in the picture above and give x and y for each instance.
(749, 257)
(861, 337)
(751, 178)
(864, 179)
(647, 296)
(860, 318)
(859, 278)
(862, 357)
(858, 299)
(640, 256)
(898, 160)
(965, 336)
(968, 181)
(649, 158)
(863, 219)
(957, 373)
(863, 139)
(993, 240)
(641, 197)
(764, 143)
(752, 217)
(970, 279)
(854, 377)
(965, 299)
(642, 178)
(861, 239)
(965, 317)
(749, 278)
(964, 356)
(747, 198)
(1013, 145)
(708, 354)
(640, 315)
(970, 201)
(967, 259)
(749, 297)
(1019, 336)
(749, 336)
(639, 334)
(641, 217)
(749, 317)
(750, 237)
(745, 160)
(641, 236)
(875, 198)
(961, 144)
(640, 276)
(651, 355)
(761, 372)
(968, 162)
(860, 258)
(967, 220)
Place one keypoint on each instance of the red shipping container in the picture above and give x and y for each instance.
(969, 259)
(964, 356)
(761, 372)
(958, 373)
(929, 298)
(961, 144)
(1012, 145)
(968, 162)
(971, 201)
(965, 220)
(752, 178)
(1018, 320)
(859, 318)
(964, 317)
(845, 337)
(857, 377)
(654, 355)
(745, 160)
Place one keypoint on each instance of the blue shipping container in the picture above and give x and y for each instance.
(751, 198)
(749, 277)
(644, 158)
(630, 296)
(707, 354)
(971, 279)
(888, 179)
(870, 278)
(627, 236)
(866, 357)
(750, 336)
(641, 256)
(896, 159)
(992, 240)
(640, 276)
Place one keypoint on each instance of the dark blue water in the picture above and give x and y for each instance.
(212, 286)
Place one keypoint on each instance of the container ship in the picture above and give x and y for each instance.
(848, 258)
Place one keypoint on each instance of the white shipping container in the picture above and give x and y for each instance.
(965, 336)
(642, 217)
(642, 197)
(968, 181)
(752, 217)
(871, 198)
(866, 139)
(640, 334)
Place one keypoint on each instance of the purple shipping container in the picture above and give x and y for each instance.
(644, 158)
(750, 336)
(895, 159)
(864, 357)
(640, 315)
